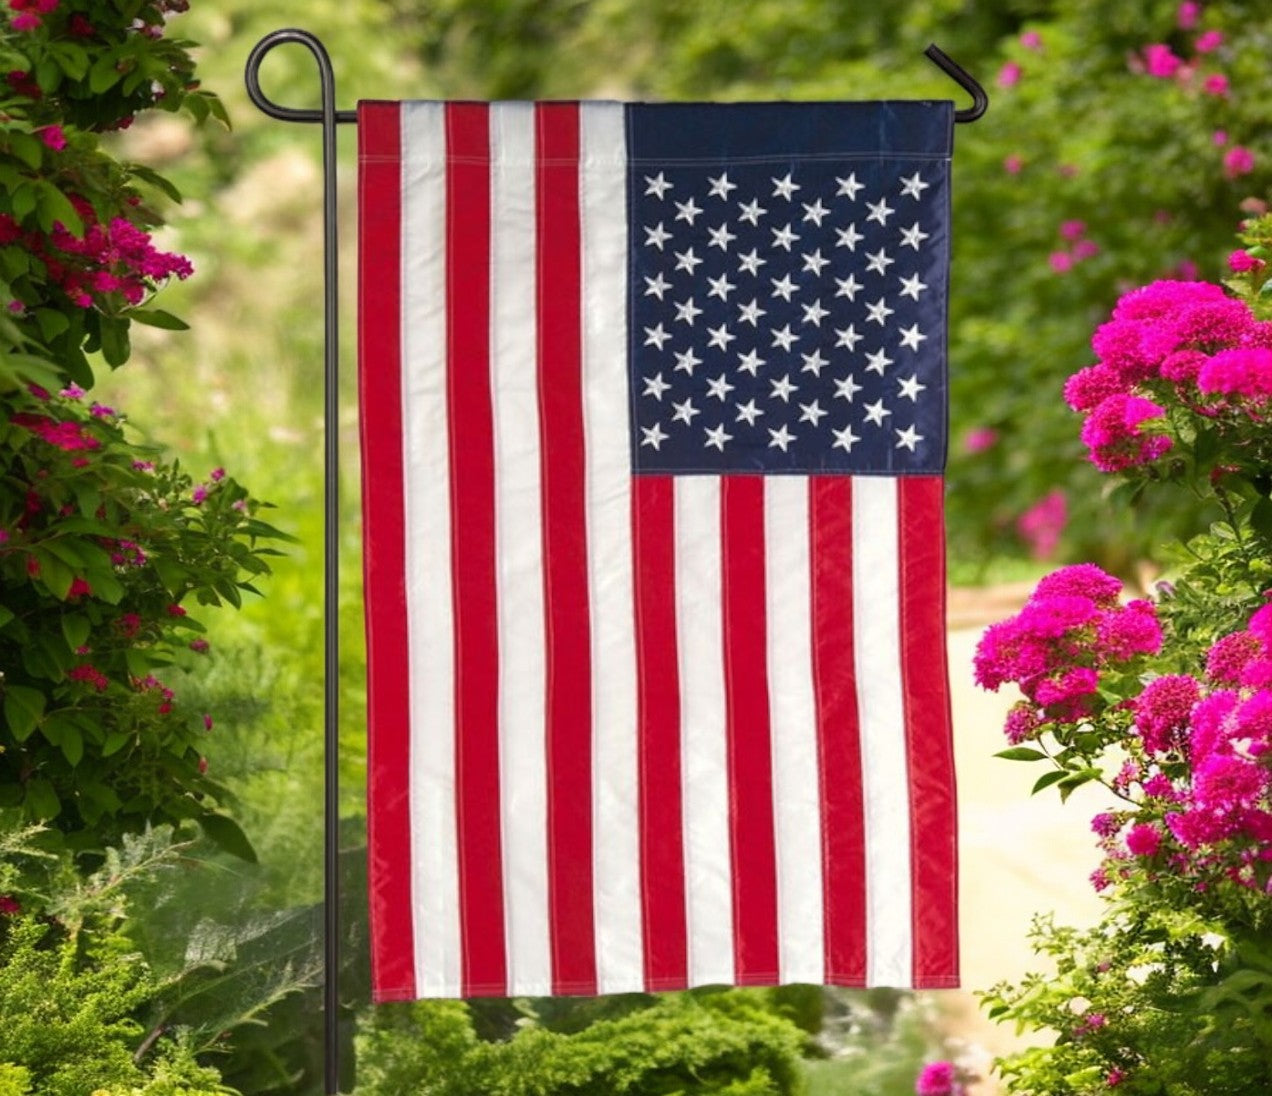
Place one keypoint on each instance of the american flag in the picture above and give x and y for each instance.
(654, 420)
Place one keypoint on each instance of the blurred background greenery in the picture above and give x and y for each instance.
(1087, 175)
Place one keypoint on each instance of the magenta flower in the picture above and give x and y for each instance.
(1031, 39)
(1143, 840)
(53, 137)
(1072, 230)
(1215, 84)
(1228, 658)
(199, 494)
(1162, 712)
(1208, 42)
(1242, 372)
(1013, 164)
(1111, 433)
(1242, 262)
(980, 439)
(1009, 75)
(1187, 14)
(1061, 261)
(1091, 386)
(938, 1079)
(1161, 62)
(1084, 580)
(1085, 249)
(1041, 525)
(1219, 138)
(26, 20)
(1238, 161)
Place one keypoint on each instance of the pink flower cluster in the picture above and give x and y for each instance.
(1071, 628)
(65, 435)
(115, 258)
(1188, 341)
(939, 1079)
(1041, 525)
(27, 12)
(1214, 734)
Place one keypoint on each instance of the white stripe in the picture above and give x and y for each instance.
(793, 722)
(426, 501)
(615, 818)
(704, 731)
(518, 540)
(877, 643)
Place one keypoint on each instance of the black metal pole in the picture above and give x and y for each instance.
(329, 117)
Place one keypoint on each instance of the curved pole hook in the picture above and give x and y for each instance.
(326, 76)
(965, 80)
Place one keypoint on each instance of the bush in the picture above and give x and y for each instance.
(1169, 705)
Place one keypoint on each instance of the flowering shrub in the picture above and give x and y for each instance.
(105, 548)
(1169, 705)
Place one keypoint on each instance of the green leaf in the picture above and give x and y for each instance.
(23, 707)
(48, 74)
(103, 74)
(115, 345)
(56, 207)
(1021, 753)
(41, 800)
(1261, 518)
(115, 741)
(228, 835)
(73, 58)
(157, 317)
(6, 615)
(52, 322)
(75, 629)
(1047, 779)
(172, 575)
(24, 201)
(154, 179)
(54, 574)
(26, 148)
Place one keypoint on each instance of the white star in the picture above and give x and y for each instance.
(750, 362)
(752, 211)
(655, 386)
(783, 287)
(848, 187)
(784, 187)
(877, 362)
(687, 211)
(812, 412)
(657, 186)
(908, 438)
(879, 311)
(782, 389)
(911, 287)
(875, 412)
(686, 361)
(749, 412)
(848, 337)
(720, 387)
(657, 286)
(814, 313)
(815, 262)
(750, 313)
(718, 437)
(784, 337)
(687, 311)
(751, 262)
(815, 212)
(849, 237)
(653, 435)
(913, 185)
(720, 336)
(879, 261)
(846, 388)
(911, 236)
(720, 287)
(911, 336)
(783, 237)
(685, 412)
(910, 388)
(879, 211)
(781, 438)
(848, 287)
(720, 187)
(814, 363)
(845, 439)
(687, 260)
(656, 336)
(721, 237)
(656, 236)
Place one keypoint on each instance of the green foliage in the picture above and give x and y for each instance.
(74, 992)
(707, 1042)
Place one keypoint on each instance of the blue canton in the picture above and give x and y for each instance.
(787, 306)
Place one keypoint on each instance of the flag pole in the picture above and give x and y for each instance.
(329, 117)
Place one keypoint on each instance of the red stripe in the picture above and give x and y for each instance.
(568, 628)
(662, 860)
(929, 741)
(751, 825)
(384, 556)
(838, 731)
(473, 549)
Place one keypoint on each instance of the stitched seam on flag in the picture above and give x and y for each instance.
(904, 614)
(726, 582)
(887, 473)
(818, 693)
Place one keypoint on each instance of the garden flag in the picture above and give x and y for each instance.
(654, 425)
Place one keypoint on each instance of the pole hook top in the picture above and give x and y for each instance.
(964, 79)
(252, 75)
